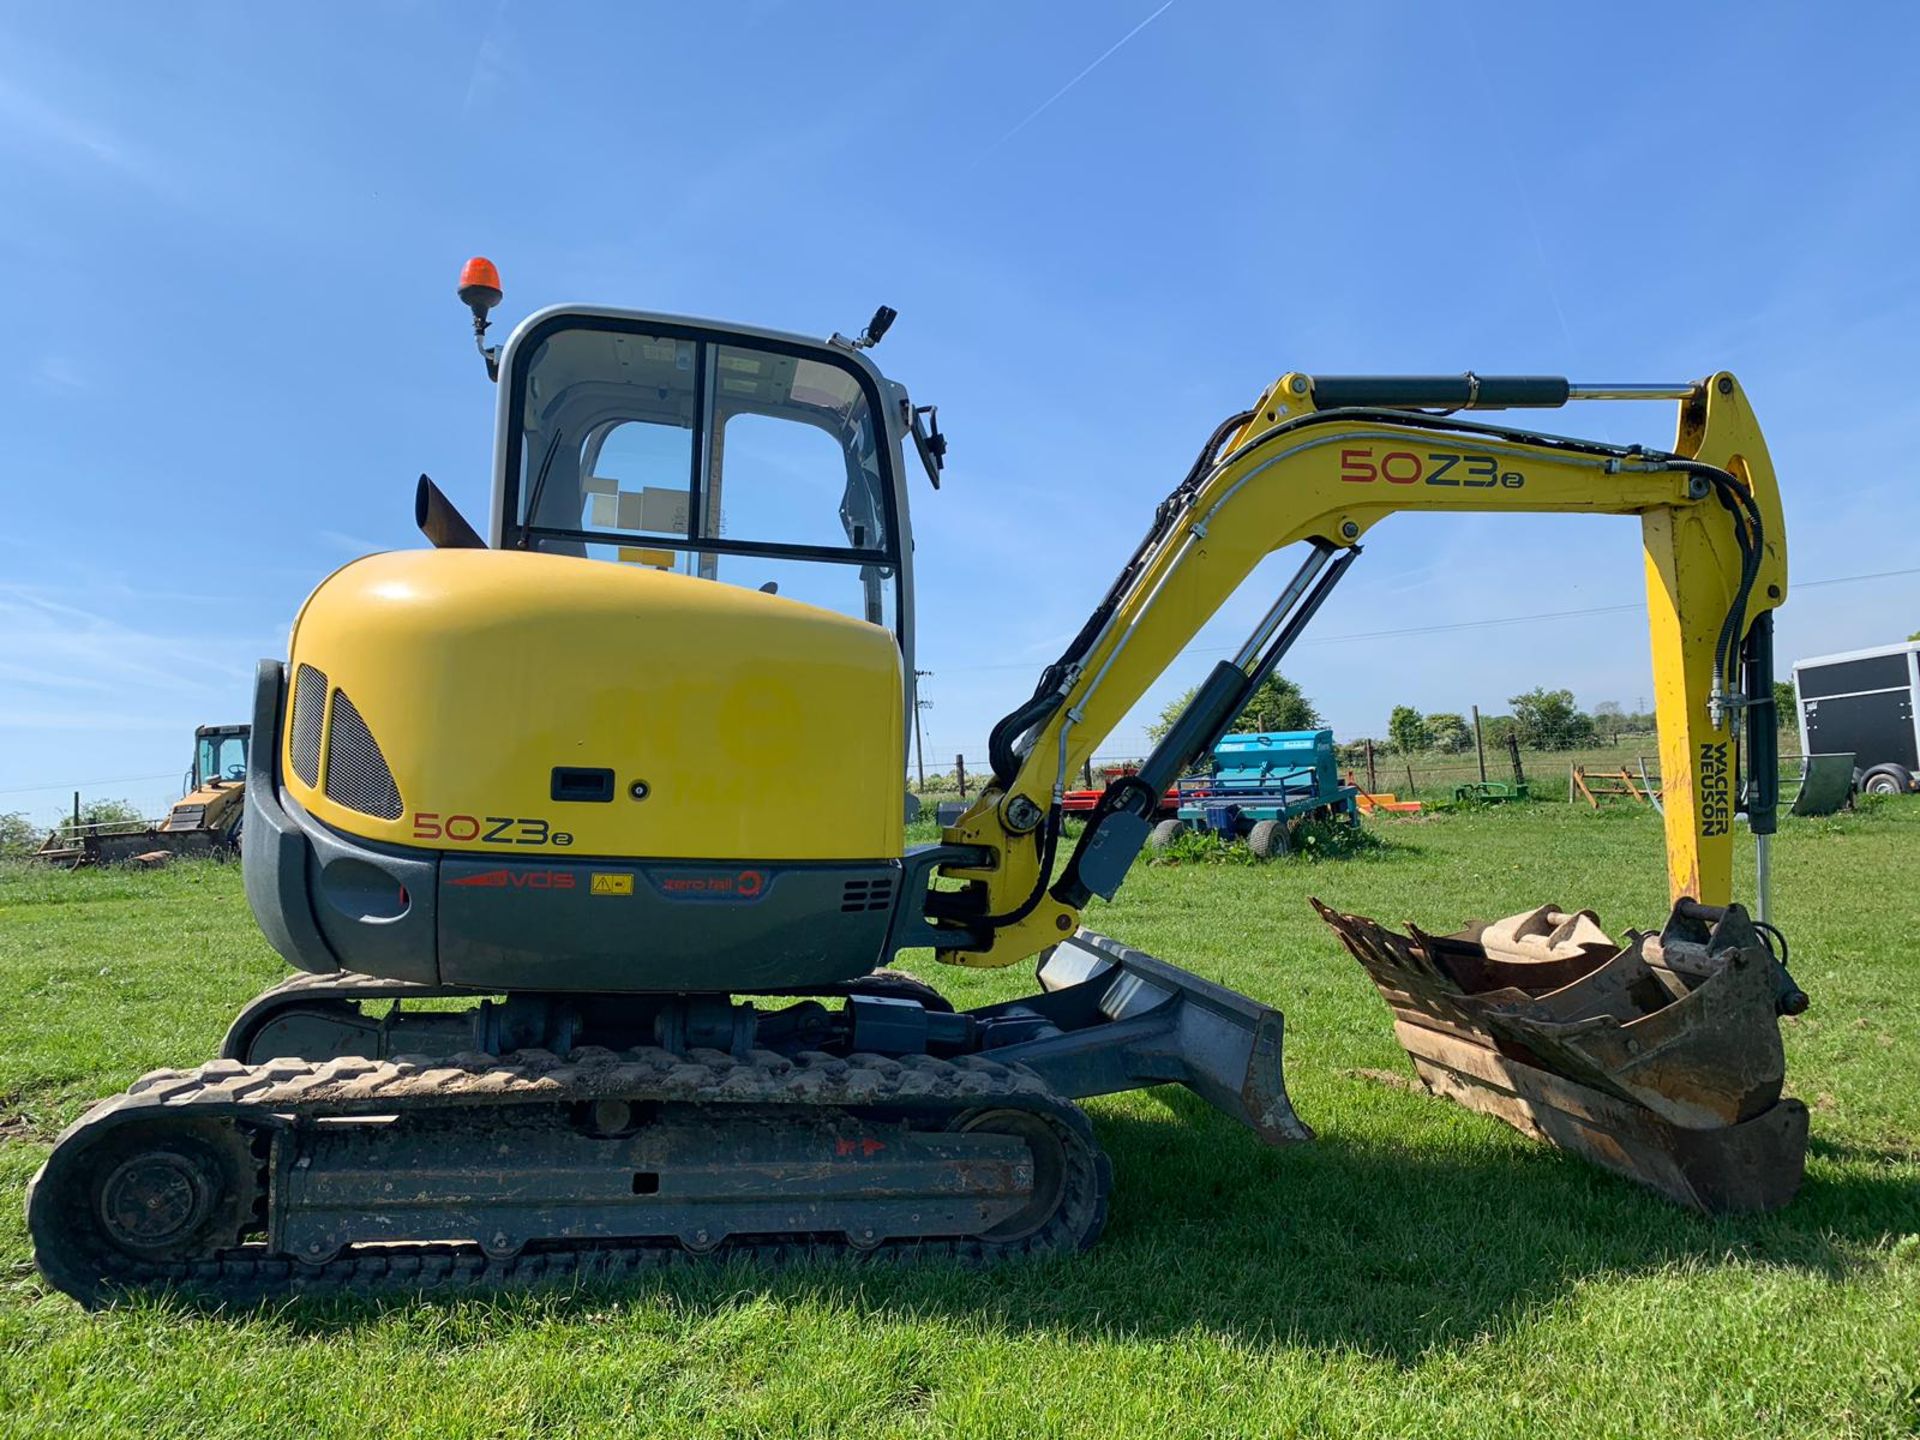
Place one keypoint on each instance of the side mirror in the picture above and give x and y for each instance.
(928, 440)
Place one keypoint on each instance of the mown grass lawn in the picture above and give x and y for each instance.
(1418, 1270)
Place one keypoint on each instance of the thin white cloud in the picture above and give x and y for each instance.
(56, 372)
(57, 655)
(53, 134)
(87, 694)
(1097, 62)
(355, 545)
(491, 65)
(40, 677)
(99, 720)
(45, 123)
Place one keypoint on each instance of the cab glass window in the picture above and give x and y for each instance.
(730, 462)
(221, 757)
(607, 435)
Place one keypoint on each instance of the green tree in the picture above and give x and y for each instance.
(18, 834)
(1548, 720)
(1449, 732)
(111, 812)
(1608, 721)
(1408, 728)
(1914, 636)
(1786, 708)
(1276, 704)
(1494, 730)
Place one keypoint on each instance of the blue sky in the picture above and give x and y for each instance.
(230, 236)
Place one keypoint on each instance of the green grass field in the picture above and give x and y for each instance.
(1417, 1270)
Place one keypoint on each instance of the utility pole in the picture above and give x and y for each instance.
(919, 750)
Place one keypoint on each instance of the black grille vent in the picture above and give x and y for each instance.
(357, 773)
(862, 895)
(309, 709)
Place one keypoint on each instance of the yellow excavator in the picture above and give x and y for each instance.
(532, 810)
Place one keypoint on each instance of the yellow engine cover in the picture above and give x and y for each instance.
(752, 727)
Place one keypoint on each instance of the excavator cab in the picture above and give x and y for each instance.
(705, 720)
(761, 460)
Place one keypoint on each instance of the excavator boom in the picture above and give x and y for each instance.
(1324, 461)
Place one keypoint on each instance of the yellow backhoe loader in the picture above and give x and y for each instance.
(213, 795)
(206, 819)
(526, 770)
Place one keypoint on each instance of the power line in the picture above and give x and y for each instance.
(1482, 624)
(1848, 579)
(89, 784)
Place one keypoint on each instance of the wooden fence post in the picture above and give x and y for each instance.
(1479, 745)
(1373, 780)
(960, 773)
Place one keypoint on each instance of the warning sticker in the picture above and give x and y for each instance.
(611, 884)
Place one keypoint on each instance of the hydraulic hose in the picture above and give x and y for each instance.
(1749, 535)
(1049, 848)
(1002, 758)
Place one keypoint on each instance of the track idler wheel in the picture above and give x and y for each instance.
(143, 1199)
(1071, 1178)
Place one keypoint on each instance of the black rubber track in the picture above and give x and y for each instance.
(74, 1256)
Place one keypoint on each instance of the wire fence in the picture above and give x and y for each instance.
(1624, 767)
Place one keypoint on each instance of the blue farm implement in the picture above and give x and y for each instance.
(1263, 785)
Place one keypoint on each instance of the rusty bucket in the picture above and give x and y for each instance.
(1659, 1058)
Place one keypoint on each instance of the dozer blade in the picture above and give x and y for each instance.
(1660, 1060)
(1113, 1018)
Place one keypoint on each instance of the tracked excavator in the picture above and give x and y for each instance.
(586, 835)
